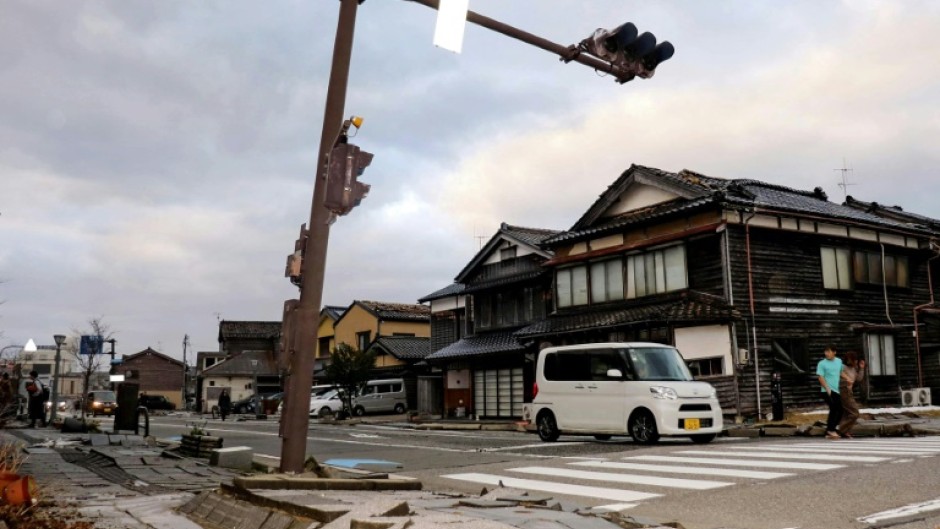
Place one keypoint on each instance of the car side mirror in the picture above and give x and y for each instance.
(614, 373)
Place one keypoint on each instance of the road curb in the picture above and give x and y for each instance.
(289, 482)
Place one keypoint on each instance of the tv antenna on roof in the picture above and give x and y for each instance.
(844, 184)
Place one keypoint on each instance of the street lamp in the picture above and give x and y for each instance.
(59, 340)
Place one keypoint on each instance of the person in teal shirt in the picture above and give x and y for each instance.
(829, 370)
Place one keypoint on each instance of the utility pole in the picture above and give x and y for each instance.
(303, 343)
(621, 52)
(185, 369)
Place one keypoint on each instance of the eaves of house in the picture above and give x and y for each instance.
(404, 348)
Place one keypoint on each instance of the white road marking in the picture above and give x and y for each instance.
(557, 488)
(536, 445)
(775, 455)
(613, 507)
(907, 510)
(836, 449)
(670, 469)
(693, 484)
(737, 462)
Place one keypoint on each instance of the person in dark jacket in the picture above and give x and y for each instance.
(225, 404)
(36, 404)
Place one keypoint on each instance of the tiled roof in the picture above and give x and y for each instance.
(405, 347)
(454, 289)
(507, 280)
(685, 307)
(480, 344)
(698, 191)
(248, 329)
(335, 312)
(153, 352)
(531, 236)
(247, 363)
(894, 212)
(397, 311)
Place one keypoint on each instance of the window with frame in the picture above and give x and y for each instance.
(836, 267)
(607, 281)
(879, 349)
(656, 272)
(790, 355)
(706, 367)
(868, 269)
(571, 286)
(363, 339)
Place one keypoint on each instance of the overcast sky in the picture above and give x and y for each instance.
(157, 158)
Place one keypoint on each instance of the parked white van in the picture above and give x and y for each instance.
(639, 389)
(377, 396)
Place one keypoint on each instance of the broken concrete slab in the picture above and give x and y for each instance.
(235, 457)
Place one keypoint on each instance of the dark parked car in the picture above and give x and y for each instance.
(155, 402)
(246, 405)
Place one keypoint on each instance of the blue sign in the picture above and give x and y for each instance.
(91, 345)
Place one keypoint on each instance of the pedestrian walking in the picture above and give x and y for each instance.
(36, 405)
(853, 371)
(7, 396)
(225, 403)
(829, 371)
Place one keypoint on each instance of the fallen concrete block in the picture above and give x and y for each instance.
(744, 432)
(236, 457)
(779, 431)
(896, 430)
(866, 430)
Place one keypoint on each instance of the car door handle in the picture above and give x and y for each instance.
(579, 386)
(592, 387)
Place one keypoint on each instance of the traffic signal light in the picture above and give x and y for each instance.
(343, 189)
(294, 269)
(629, 52)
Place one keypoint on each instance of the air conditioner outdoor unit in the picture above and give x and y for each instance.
(915, 397)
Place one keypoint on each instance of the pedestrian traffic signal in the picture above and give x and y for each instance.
(343, 189)
(629, 52)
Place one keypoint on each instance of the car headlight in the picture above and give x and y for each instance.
(662, 392)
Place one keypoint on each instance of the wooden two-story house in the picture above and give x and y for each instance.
(487, 372)
(746, 278)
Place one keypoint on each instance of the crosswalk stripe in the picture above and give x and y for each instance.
(558, 488)
(836, 449)
(694, 484)
(738, 462)
(878, 444)
(670, 469)
(775, 455)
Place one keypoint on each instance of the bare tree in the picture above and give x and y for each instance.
(90, 363)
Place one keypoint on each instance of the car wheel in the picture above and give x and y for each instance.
(703, 438)
(547, 427)
(325, 412)
(602, 437)
(399, 408)
(643, 427)
(359, 411)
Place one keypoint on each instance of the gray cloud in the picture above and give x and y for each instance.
(158, 158)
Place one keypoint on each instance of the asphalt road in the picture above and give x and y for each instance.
(766, 483)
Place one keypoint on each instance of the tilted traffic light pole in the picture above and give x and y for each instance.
(619, 52)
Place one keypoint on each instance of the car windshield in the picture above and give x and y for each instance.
(658, 363)
(104, 396)
(329, 394)
(317, 392)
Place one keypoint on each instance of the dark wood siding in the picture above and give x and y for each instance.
(153, 373)
(788, 297)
